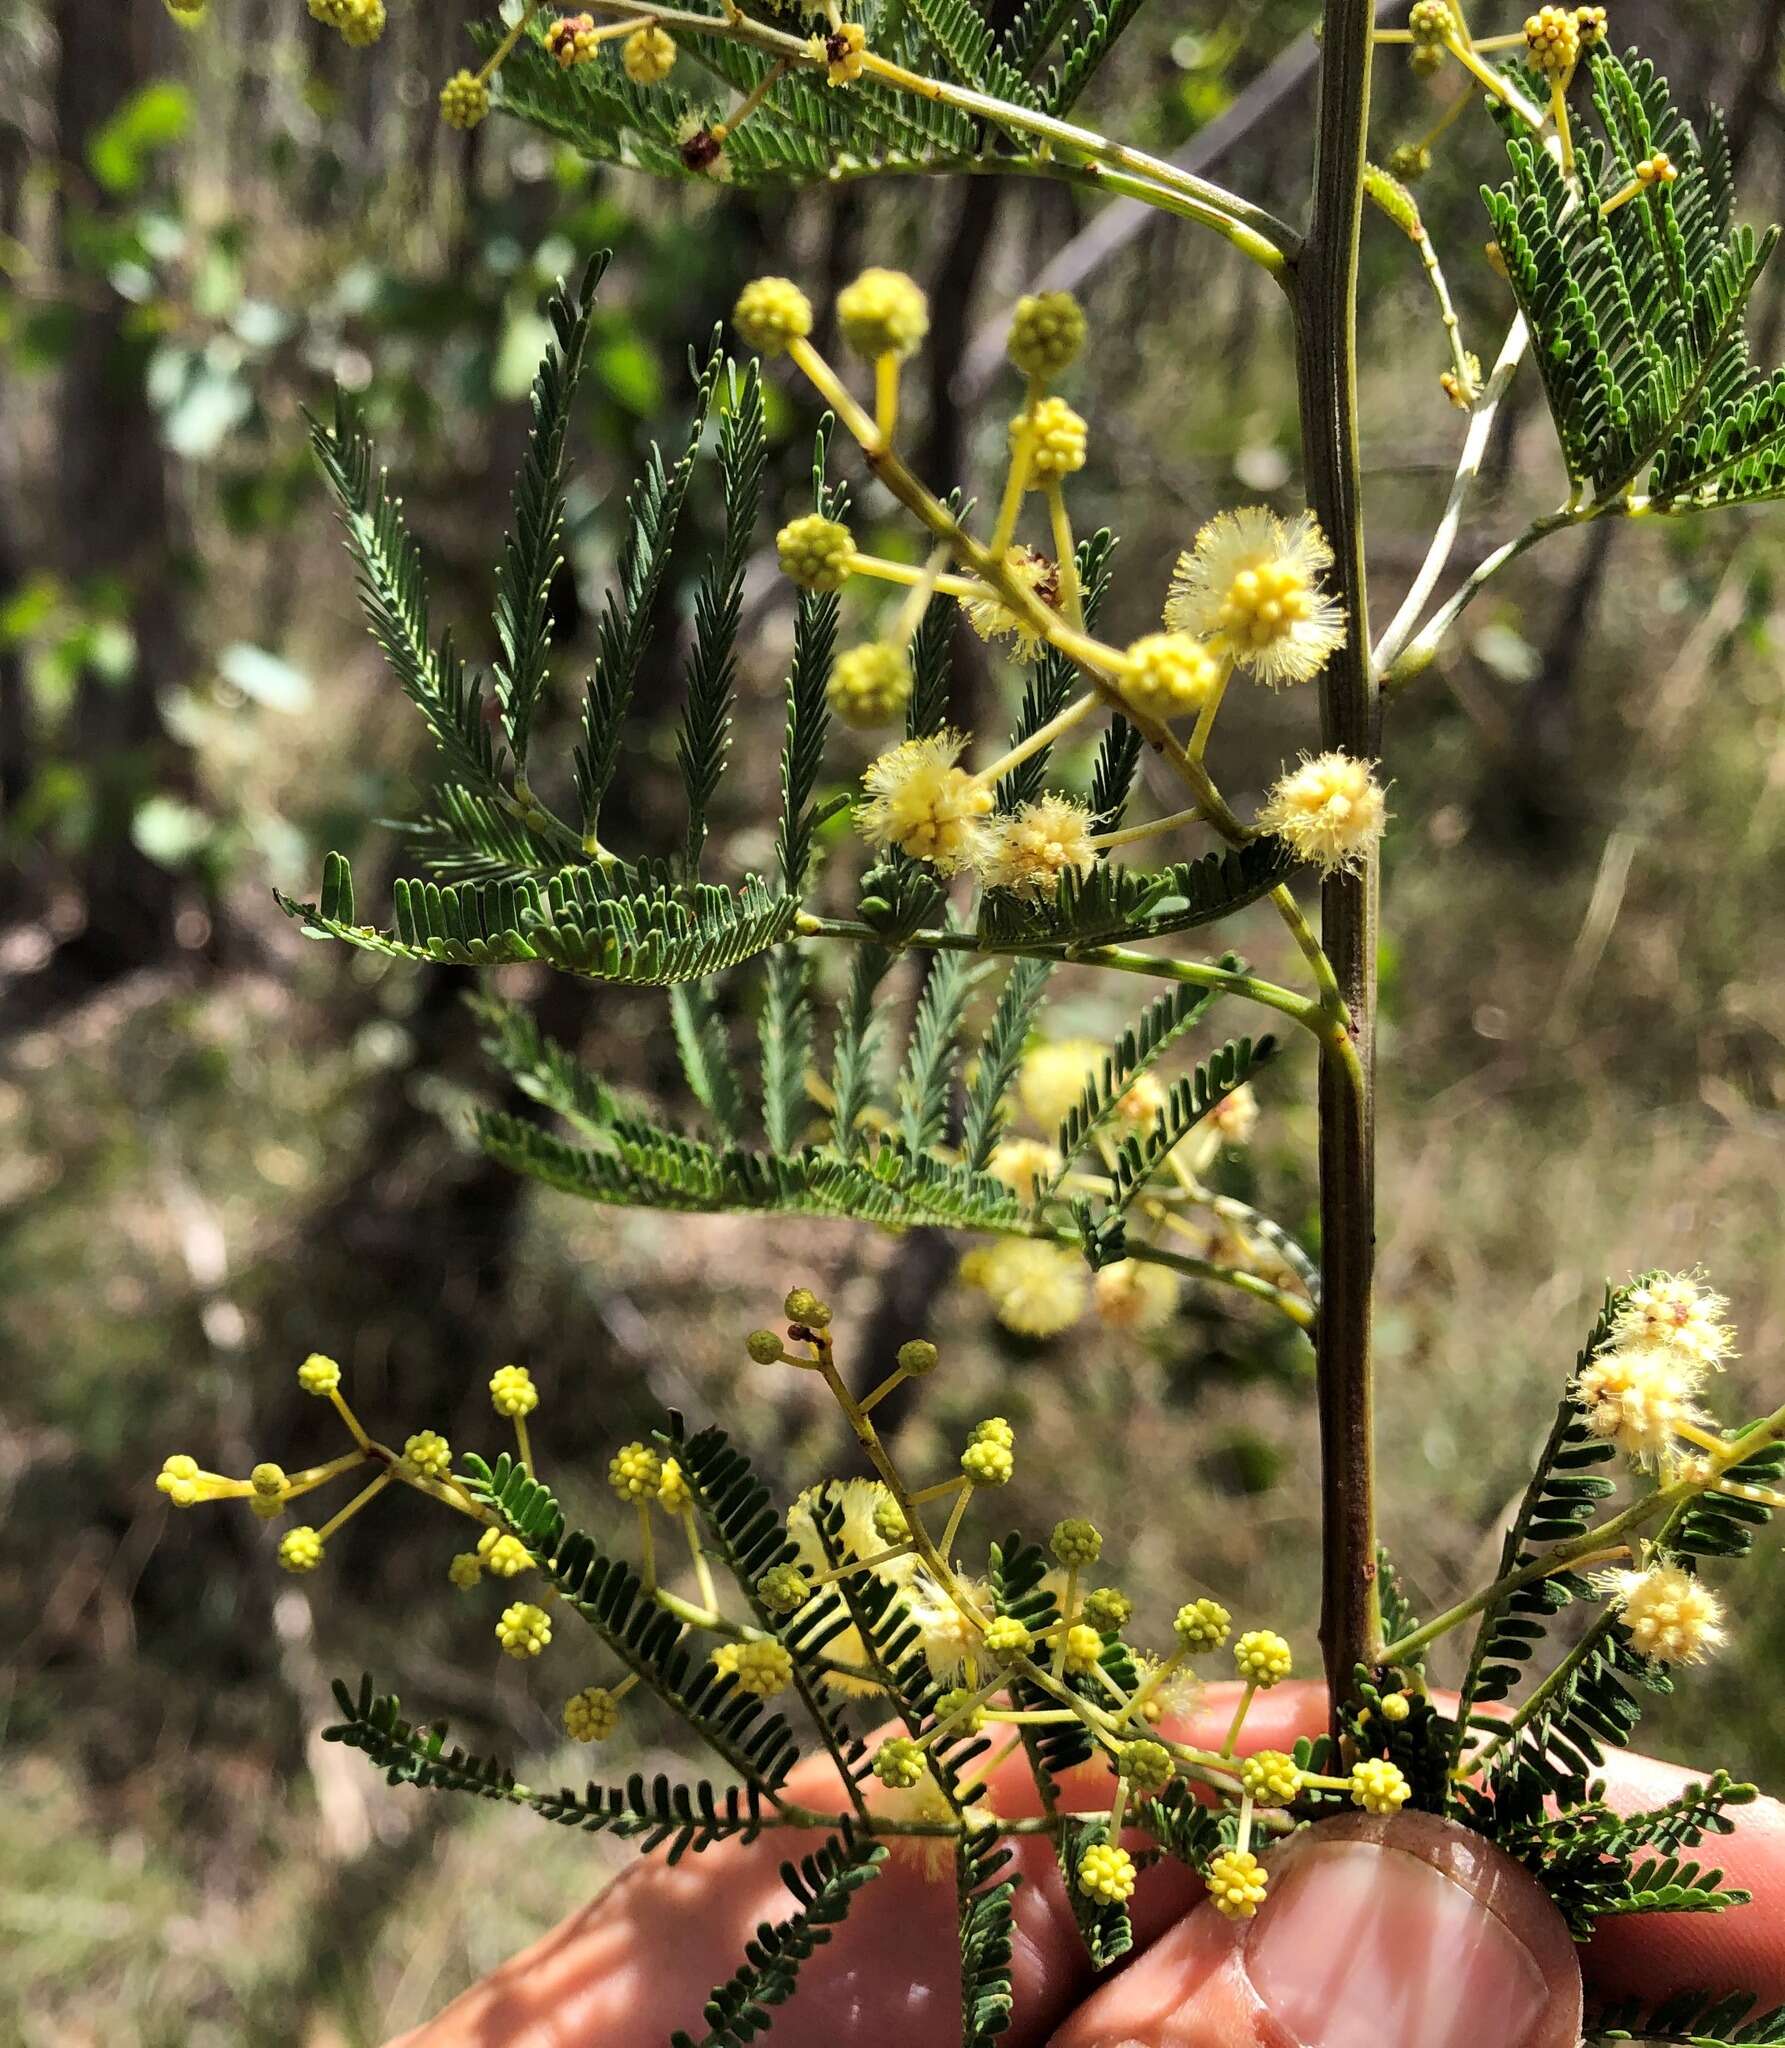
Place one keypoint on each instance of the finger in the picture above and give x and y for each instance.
(639, 1961)
(1403, 1932)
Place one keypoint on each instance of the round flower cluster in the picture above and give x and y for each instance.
(1378, 1786)
(1270, 1777)
(814, 552)
(1106, 1873)
(783, 1589)
(1262, 1658)
(899, 1762)
(1667, 1613)
(319, 1375)
(922, 802)
(1047, 331)
(1202, 1625)
(1330, 811)
(1252, 582)
(300, 1550)
(1108, 1609)
(591, 1715)
(1033, 848)
(429, 1454)
(1083, 1647)
(571, 40)
(1036, 1289)
(1076, 1541)
(503, 1556)
(464, 100)
(524, 1630)
(771, 312)
(1135, 1295)
(1005, 1636)
(1552, 41)
(512, 1392)
(1236, 1883)
(1169, 674)
(992, 619)
(1431, 22)
(883, 313)
(1146, 1765)
(870, 684)
(648, 55)
(635, 1472)
(357, 22)
(987, 1462)
(763, 1668)
(1058, 440)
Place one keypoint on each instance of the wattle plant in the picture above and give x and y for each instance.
(881, 1614)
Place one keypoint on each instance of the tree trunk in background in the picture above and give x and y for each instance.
(112, 523)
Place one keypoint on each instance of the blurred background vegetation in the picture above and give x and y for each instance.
(221, 1148)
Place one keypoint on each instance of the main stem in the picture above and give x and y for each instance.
(1325, 300)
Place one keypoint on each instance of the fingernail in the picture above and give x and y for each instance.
(1363, 1945)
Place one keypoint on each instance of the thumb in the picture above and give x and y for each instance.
(1375, 1930)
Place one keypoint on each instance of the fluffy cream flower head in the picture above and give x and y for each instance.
(1675, 1312)
(1636, 1396)
(1032, 848)
(1022, 1163)
(1669, 1614)
(1036, 1289)
(1235, 1116)
(1330, 810)
(921, 802)
(1133, 1295)
(992, 619)
(1253, 580)
(1052, 1078)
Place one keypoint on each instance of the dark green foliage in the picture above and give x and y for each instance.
(746, 1535)
(805, 133)
(1637, 316)
(1102, 27)
(1714, 1525)
(706, 1061)
(1191, 1098)
(1165, 1020)
(652, 1813)
(1105, 1929)
(860, 1029)
(1130, 904)
(823, 1885)
(985, 1918)
(808, 712)
(1595, 1862)
(995, 1063)
(532, 552)
(926, 1084)
(652, 512)
(718, 604)
(631, 925)
(608, 1595)
(1183, 1826)
(1695, 2019)
(1560, 1501)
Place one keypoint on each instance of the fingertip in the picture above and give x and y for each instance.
(1394, 1931)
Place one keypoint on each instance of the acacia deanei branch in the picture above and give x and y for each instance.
(1092, 1174)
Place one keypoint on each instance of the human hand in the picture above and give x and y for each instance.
(1377, 1932)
